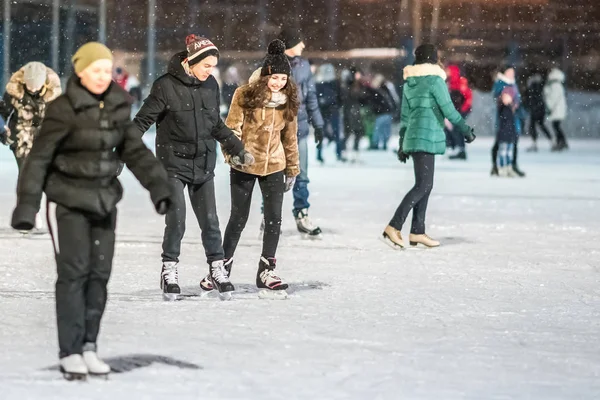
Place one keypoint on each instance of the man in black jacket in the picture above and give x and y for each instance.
(184, 104)
(308, 112)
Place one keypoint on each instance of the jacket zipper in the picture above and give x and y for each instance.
(269, 142)
(196, 153)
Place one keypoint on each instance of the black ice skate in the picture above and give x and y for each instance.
(220, 279)
(206, 282)
(73, 368)
(169, 281)
(273, 286)
(305, 225)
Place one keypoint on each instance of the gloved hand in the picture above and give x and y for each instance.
(470, 136)
(319, 136)
(402, 156)
(244, 159)
(289, 183)
(163, 206)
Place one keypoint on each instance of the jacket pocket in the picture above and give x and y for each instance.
(183, 150)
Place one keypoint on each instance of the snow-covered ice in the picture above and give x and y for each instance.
(507, 308)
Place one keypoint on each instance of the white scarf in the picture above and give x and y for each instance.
(277, 99)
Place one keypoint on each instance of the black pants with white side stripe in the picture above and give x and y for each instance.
(84, 252)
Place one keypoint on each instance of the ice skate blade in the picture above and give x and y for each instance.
(390, 243)
(267, 294)
(72, 376)
(103, 377)
(307, 236)
(415, 245)
(225, 296)
(172, 296)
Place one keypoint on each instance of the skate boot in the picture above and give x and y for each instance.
(461, 155)
(510, 172)
(169, 281)
(533, 148)
(220, 279)
(517, 171)
(392, 237)
(503, 172)
(494, 171)
(95, 366)
(206, 282)
(425, 240)
(73, 368)
(305, 225)
(273, 287)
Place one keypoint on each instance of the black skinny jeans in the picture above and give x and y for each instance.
(538, 121)
(418, 197)
(242, 185)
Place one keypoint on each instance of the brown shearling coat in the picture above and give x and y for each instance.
(270, 138)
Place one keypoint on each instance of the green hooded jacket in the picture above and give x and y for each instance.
(425, 103)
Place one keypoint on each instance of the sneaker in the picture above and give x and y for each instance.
(305, 225)
(392, 237)
(169, 281)
(94, 364)
(206, 283)
(73, 367)
(220, 279)
(423, 239)
(265, 276)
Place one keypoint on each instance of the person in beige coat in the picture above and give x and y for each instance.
(263, 115)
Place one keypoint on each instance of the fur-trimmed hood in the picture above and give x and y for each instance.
(504, 78)
(16, 85)
(419, 70)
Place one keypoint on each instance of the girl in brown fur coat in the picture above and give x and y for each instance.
(263, 115)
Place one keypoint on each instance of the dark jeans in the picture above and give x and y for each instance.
(202, 198)
(300, 190)
(84, 250)
(560, 135)
(242, 185)
(418, 197)
(538, 121)
(332, 121)
(495, 152)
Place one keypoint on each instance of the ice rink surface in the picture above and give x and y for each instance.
(507, 308)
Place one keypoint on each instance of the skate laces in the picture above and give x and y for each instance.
(218, 272)
(170, 274)
(269, 275)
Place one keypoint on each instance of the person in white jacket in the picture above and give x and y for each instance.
(555, 99)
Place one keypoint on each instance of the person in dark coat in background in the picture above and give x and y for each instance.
(330, 101)
(507, 77)
(354, 97)
(74, 162)
(308, 112)
(184, 104)
(506, 134)
(533, 101)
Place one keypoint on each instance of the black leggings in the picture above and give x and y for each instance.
(418, 197)
(538, 121)
(242, 185)
(560, 135)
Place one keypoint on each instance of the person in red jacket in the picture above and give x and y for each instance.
(462, 98)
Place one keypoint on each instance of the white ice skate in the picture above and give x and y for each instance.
(271, 286)
(169, 281)
(95, 366)
(73, 368)
(305, 226)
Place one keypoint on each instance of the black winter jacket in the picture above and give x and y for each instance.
(186, 112)
(75, 157)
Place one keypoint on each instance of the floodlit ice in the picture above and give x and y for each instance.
(507, 308)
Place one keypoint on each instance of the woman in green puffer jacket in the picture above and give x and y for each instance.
(425, 104)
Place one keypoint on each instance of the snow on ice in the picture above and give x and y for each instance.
(507, 308)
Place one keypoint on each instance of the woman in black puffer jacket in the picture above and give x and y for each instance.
(74, 160)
